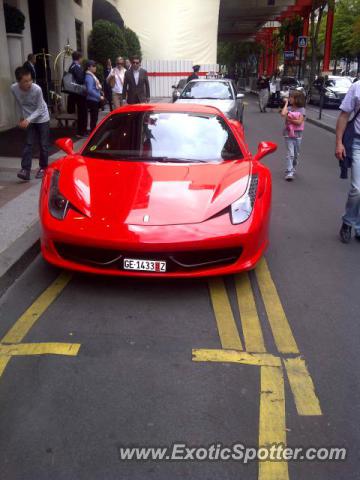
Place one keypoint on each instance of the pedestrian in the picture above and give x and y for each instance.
(34, 118)
(116, 81)
(93, 93)
(194, 75)
(350, 154)
(263, 86)
(136, 83)
(294, 114)
(127, 64)
(79, 100)
(29, 65)
(107, 87)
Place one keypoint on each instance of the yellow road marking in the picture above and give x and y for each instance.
(32, 314)
(53, 348)
(302, 386)
(228, 332)
(233, 356)
(3, 364)
(280, 327)
(272, 421)
(10, 345)
(254, 340)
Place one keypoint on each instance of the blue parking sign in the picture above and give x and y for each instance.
(302, 42)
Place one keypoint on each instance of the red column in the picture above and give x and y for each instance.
(328, 38)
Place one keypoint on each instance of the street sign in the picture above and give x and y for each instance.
(289, 55)
(302, 42)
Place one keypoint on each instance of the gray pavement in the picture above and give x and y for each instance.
(133, 381)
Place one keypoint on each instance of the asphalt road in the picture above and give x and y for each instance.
(121, 372)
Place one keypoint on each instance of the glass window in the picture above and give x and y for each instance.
(343, 82)
(164, 137)
(79, 35)
(208, 90)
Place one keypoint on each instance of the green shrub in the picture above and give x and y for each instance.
(106, 40)
(14, 19)
(133, 43)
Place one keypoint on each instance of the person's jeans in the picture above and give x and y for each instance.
(94, 113)
(292, 153)
(40, 130)
(352, 209)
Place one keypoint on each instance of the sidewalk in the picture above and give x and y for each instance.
(19, 232)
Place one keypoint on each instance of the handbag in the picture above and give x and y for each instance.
(69, 85)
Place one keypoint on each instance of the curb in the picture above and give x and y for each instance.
(18, 256)
(329, 128)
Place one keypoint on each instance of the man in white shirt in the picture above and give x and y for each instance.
(116, 81)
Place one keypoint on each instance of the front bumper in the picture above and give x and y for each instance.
(243, 245)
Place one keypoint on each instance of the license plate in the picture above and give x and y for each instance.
(144, 265)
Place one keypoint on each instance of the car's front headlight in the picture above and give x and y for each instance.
(58, 204)
(330, 94)
(242, 208)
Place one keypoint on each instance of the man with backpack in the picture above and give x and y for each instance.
(349, 155)
(78, 99)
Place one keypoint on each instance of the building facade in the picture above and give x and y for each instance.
(168, 30)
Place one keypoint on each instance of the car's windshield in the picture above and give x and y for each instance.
(341, 82)
(209, 90)
(164, 137)
(289, 82)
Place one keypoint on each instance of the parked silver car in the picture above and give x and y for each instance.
(177, 89)
(219, 93)
(335, 89)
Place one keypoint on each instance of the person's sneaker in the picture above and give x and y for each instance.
(40, 173)
(345, 233)
(24, 174)
(289, 176)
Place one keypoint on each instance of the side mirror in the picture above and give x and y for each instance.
(65, 144)
(240, 95)
(173, 86)
(264, 148)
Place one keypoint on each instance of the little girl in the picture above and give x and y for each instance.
(294, 114)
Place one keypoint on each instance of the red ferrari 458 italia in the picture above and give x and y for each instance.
(158, 190)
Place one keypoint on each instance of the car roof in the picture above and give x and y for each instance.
(223, 80)
(169, 107)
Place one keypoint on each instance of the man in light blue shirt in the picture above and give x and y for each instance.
(34, 118)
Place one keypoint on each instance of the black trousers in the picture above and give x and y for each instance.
(94, 113)
(80, 102)
(41, 131)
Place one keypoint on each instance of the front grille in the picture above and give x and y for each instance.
(176, 261)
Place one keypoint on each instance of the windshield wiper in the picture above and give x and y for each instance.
(175, 160)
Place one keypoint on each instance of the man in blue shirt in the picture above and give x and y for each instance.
(79, 100)
(34, 118)
(349, 107)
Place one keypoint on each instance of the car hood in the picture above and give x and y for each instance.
(222, 105)
(337, 90)
(139, 193)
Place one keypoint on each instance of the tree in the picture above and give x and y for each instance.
(315, 23)
(106, 40)
(132, 42)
